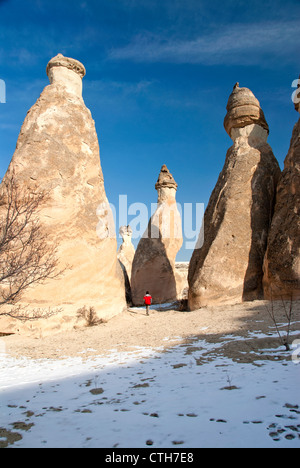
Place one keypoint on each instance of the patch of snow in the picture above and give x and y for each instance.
(178, 398)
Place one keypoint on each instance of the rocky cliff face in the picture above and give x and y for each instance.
(228, 267)
(282, 260)
(58, 152)
(153, 267)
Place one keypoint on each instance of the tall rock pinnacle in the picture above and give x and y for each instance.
(228, 267)
(58, 152)
(153, 265)
(166, 186)
(66, 71)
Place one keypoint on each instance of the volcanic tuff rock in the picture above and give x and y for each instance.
(58, 152)
(153, 265)
(125, 256)
(228, 267)
(282, 260)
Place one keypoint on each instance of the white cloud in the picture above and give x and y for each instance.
(239, 43)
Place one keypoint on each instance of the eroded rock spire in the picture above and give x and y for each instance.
(153, 267)
(58, 152)
(228, 266)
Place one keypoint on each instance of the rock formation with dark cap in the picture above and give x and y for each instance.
(228, 266)
(243, 109)
(153, 267)
(125, 256)
(58, 152)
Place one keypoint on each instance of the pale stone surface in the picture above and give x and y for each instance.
(282, 260)
(297, 97)
(181, 276)
(228, 267)
(58, 152)
(125, 256)
(68, 71)
(153, 267)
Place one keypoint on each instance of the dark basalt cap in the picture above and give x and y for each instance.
(243, 109)
(165, 179)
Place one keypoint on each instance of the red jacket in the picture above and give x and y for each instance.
(147, 299)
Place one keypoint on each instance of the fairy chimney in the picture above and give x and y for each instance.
(228, 266)
(58, 152)
(153, 267)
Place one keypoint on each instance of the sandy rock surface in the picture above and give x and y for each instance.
(153, 267)
(162, 328)
(282, 261)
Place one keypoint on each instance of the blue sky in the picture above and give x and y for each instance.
(159, 74)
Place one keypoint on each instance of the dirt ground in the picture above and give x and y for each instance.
(163, 328)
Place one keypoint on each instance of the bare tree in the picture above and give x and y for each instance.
(90, 316)
(287, 306)
(26, 258)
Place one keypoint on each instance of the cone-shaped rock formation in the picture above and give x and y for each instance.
(153, 265)
(228, 266)
(58, 152)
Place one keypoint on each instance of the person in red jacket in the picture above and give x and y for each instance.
(147, 301)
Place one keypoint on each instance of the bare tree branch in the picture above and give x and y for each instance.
(26, 257)
(24, 315)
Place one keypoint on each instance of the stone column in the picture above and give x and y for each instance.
(58, 152)
(153, 266)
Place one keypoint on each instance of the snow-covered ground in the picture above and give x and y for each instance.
(191, 395)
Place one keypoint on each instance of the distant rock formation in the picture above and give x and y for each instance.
(126, 250)
(58, 152)
(181, 276)
(282, 260)
(153, 265)
(228, 267)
